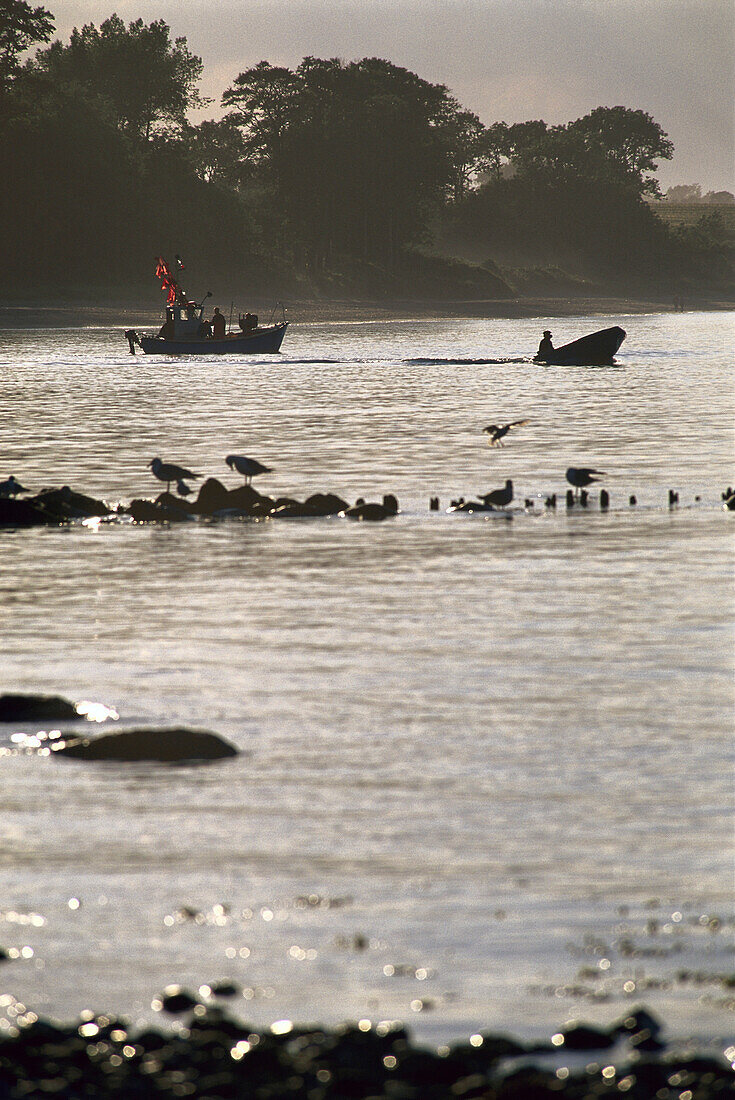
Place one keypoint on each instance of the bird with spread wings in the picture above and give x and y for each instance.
(498, 431)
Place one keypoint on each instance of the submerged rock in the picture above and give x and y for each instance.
(21, 513)
(166, 745)
(373, 512)
(50, 508)
(326, 504)
(150, 511)
(66, 504)
(37, 708)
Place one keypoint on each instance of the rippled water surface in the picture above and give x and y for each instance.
(486, 772)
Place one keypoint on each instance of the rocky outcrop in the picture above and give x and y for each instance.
(37, 708)
(166, 745)
(374, 512)
(50, 508)
(225, 1057)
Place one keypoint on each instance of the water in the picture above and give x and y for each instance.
(486, 763)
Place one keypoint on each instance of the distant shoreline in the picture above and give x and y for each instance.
(61, 314)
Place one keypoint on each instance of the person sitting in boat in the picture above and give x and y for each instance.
(248, 322)
(218, 324)
(545, 346)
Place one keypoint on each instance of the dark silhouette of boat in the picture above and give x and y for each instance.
(595, 350)
(186, 332)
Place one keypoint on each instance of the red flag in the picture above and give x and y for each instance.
(168, 283)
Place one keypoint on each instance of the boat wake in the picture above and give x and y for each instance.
(422, 361)
(455, 361)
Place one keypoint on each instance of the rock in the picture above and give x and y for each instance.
(471, 506)
(213, 496)
(168, 500)
(225, 989)
(326, 504)
(165, 745)
(373, 512)
(585, 1037)
(22, 513)
(37, 708)
(243, 498)
(637, 1020)
(65, 504)
(149, 511)
(217, 1055)
(292, 509)
(176, 1000)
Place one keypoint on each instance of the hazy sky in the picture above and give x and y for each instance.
(503, 59)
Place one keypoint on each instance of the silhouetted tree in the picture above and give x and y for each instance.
(21, 27)
(357, 156)
(630, 140)
(149, 81)
(217, 151)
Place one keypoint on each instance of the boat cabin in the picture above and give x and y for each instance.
(184, 322)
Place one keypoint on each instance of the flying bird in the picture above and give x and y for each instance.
(582, 476)
(11, 487)
(248, 467)
(498, 431)
(499, 497)
(169, 471)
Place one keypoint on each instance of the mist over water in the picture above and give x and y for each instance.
(485, 773)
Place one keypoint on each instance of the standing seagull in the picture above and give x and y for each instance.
(11, 487)
(248, 467)
(501, 497)
(169, 471)
(582, 476)
(497, 431)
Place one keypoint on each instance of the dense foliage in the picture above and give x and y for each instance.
(334, 176)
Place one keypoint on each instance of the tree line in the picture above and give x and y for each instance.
(330, 174)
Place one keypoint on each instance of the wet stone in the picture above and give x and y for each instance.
(219, 1056)
(37, 708)
(585, 1037)
(166, 746)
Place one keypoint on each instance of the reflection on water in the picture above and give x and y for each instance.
(502, 744)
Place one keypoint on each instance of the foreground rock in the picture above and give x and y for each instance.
(218, 1056)
(216, 501)
(165, 746)
(37, 708)
(50, 508)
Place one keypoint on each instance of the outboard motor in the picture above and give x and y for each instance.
(132, 338)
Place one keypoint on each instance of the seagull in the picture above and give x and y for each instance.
(248, 467)
(183, 489)
(583, 476)
(169, 471)
(497, 431)
(12, 487)
(501, 497)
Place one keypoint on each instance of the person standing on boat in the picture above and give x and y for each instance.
(545, 346)
(218, 324)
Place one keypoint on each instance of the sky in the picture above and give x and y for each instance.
(508, 60)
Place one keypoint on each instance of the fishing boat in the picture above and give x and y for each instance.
(186, 332)
(595, 350)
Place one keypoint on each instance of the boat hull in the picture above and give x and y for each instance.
(595, 350)
(263, 341)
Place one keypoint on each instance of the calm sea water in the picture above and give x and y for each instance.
(486, 764)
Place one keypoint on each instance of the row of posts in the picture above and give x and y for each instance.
(572, 501)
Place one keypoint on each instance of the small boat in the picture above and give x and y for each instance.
(186, 332)
(595, 350)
